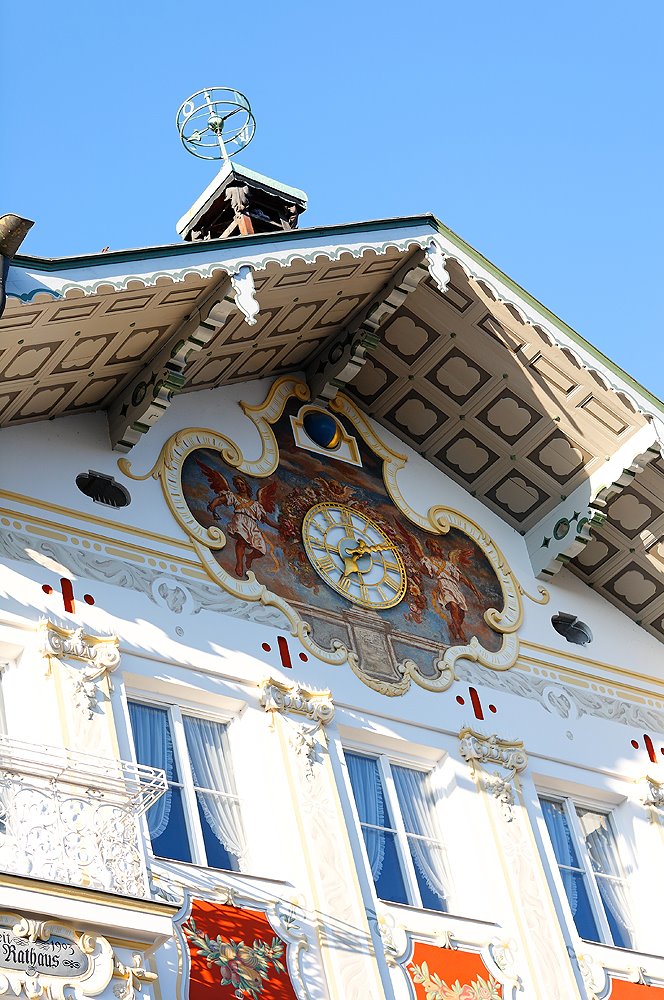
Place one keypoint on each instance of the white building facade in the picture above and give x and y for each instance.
(330, 630)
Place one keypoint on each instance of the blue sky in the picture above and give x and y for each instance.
(535, 130)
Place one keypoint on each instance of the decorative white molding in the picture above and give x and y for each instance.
(315, 704)
(480, 750)
(245, 294)
(595, 977)
(508, 756)
(654, 796)
(135, 975)
(81, 964)
(100, 654)
(436, 263)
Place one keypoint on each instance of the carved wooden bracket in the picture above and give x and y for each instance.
(341, 360)
(151, 392)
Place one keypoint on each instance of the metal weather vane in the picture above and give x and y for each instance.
(215, 123)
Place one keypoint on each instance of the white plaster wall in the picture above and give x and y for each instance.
(216, 661)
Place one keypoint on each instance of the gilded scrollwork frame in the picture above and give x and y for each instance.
(438, 520)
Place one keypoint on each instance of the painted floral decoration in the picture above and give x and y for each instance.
(436, 989)
(244, 967)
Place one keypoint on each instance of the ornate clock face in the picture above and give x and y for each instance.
(353, 556)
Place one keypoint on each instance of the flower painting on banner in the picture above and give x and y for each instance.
(235, 953)
(447, 974)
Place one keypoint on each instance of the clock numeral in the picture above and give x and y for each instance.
(345, 516)
(381, 593)
(390, 566)
(328, 517)
(394, 585)
(364, 592)
(316, 544)
(325, 564)
(344, 584)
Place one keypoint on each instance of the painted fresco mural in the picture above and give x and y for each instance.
(235, 953)
(450, 581)
(318, 526)
(450, 974)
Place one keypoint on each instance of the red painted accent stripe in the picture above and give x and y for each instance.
(68, 595)
(284, 651)
(650, 748)
(476, 703)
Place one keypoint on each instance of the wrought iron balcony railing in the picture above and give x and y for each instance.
(72, 817)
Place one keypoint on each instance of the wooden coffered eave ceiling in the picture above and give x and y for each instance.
(422, 332)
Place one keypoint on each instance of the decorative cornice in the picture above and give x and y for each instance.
(315, 704)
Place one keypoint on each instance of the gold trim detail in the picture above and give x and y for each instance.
(439, 520)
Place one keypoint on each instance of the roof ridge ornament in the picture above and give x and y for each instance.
(215, 123)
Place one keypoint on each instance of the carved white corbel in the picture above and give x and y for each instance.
(506, 758)
(245, 294)
(134, 975)
(99, 654)
(315, 704)
(654, 793)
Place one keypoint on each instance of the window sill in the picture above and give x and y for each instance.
(442, 915)
(623, 960)
(193, 877)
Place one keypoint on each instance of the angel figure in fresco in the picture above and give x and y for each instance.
(448, 598)
(249, 513)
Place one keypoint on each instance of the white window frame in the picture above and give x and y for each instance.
(569, 804)
(192, 820)
(385, 763)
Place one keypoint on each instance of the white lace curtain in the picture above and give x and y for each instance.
(210, 767)
(612, 890)
(152, 740)
(561, 839)
(368, 792)
(418, 808)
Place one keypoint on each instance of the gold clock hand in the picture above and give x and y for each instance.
(363, 549)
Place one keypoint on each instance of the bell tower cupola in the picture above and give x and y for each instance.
(216, 124)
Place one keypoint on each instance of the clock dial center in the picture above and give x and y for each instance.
(354, 556)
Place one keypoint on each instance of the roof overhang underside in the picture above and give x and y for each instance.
(428, 337)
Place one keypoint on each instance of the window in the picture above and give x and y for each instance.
(584, 844)
(198, 818)
(397, 810)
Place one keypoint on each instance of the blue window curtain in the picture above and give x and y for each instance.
(154, 748)
(368, 792)
(417, 803)
(211, 770)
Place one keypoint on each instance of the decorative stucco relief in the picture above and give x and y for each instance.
(497, 765)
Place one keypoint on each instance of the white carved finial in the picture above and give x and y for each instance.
(245, 294)
(436, 262)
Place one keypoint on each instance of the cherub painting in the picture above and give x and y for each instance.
(450, 585)
(249, 513)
